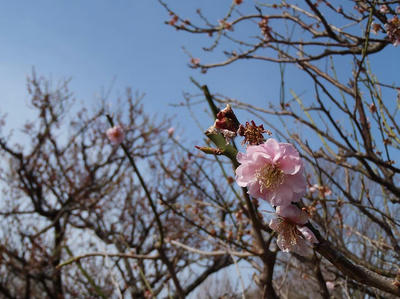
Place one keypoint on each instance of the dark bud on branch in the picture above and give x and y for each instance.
(253, 134)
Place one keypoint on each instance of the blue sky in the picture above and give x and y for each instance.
(125, 43)
(96, 43)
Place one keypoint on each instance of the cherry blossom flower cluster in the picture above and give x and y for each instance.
(265, 28)
(225, 25)
(392, 28)
(274, 172)
(324, 190)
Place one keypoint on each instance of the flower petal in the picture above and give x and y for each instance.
(297, 183)
(308, 234)
(274, 224)
(290, 162)
(293, 214)
(241, 157)
(253, 188)
(301, 247)
(281, 197)
(244, 175)
(271, 146)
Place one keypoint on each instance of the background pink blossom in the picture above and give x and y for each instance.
(115, 134)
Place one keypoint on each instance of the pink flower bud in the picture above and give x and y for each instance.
(195, 62)
(384, 9)
(171, 131)
(314, 188)
(330, 285)
(115, 134)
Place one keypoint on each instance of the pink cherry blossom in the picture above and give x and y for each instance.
(195, 62)
(115, 134)
(292, 235)
(392, 28)
(314, 188)
(293, 214)
(171, 131)
(330, 285)
(324, 190)
(272, 171)
(384, 9)
(327, 191)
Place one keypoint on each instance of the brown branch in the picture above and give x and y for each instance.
(349, 269)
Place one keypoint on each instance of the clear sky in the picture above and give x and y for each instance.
(98, 42)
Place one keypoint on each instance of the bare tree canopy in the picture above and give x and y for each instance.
(102, 203)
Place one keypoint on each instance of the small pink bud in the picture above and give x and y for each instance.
(148, 294)
(115, 134)
(225, 25)
(195, 62)
(384, 9)
(327, 191)
(171, 131)
(173, 20)
(330, 285)
(314, 188)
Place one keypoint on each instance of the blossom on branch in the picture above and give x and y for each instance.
(272, 171)
(384, 9)
(226, 123)
(171, 131)
(292, 235)
(194, 62)
(265, 29)
(323, 190)
(330, 285)
(375, 28)
(115, 134)
(392, 28)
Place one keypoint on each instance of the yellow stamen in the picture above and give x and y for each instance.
(269, 177)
